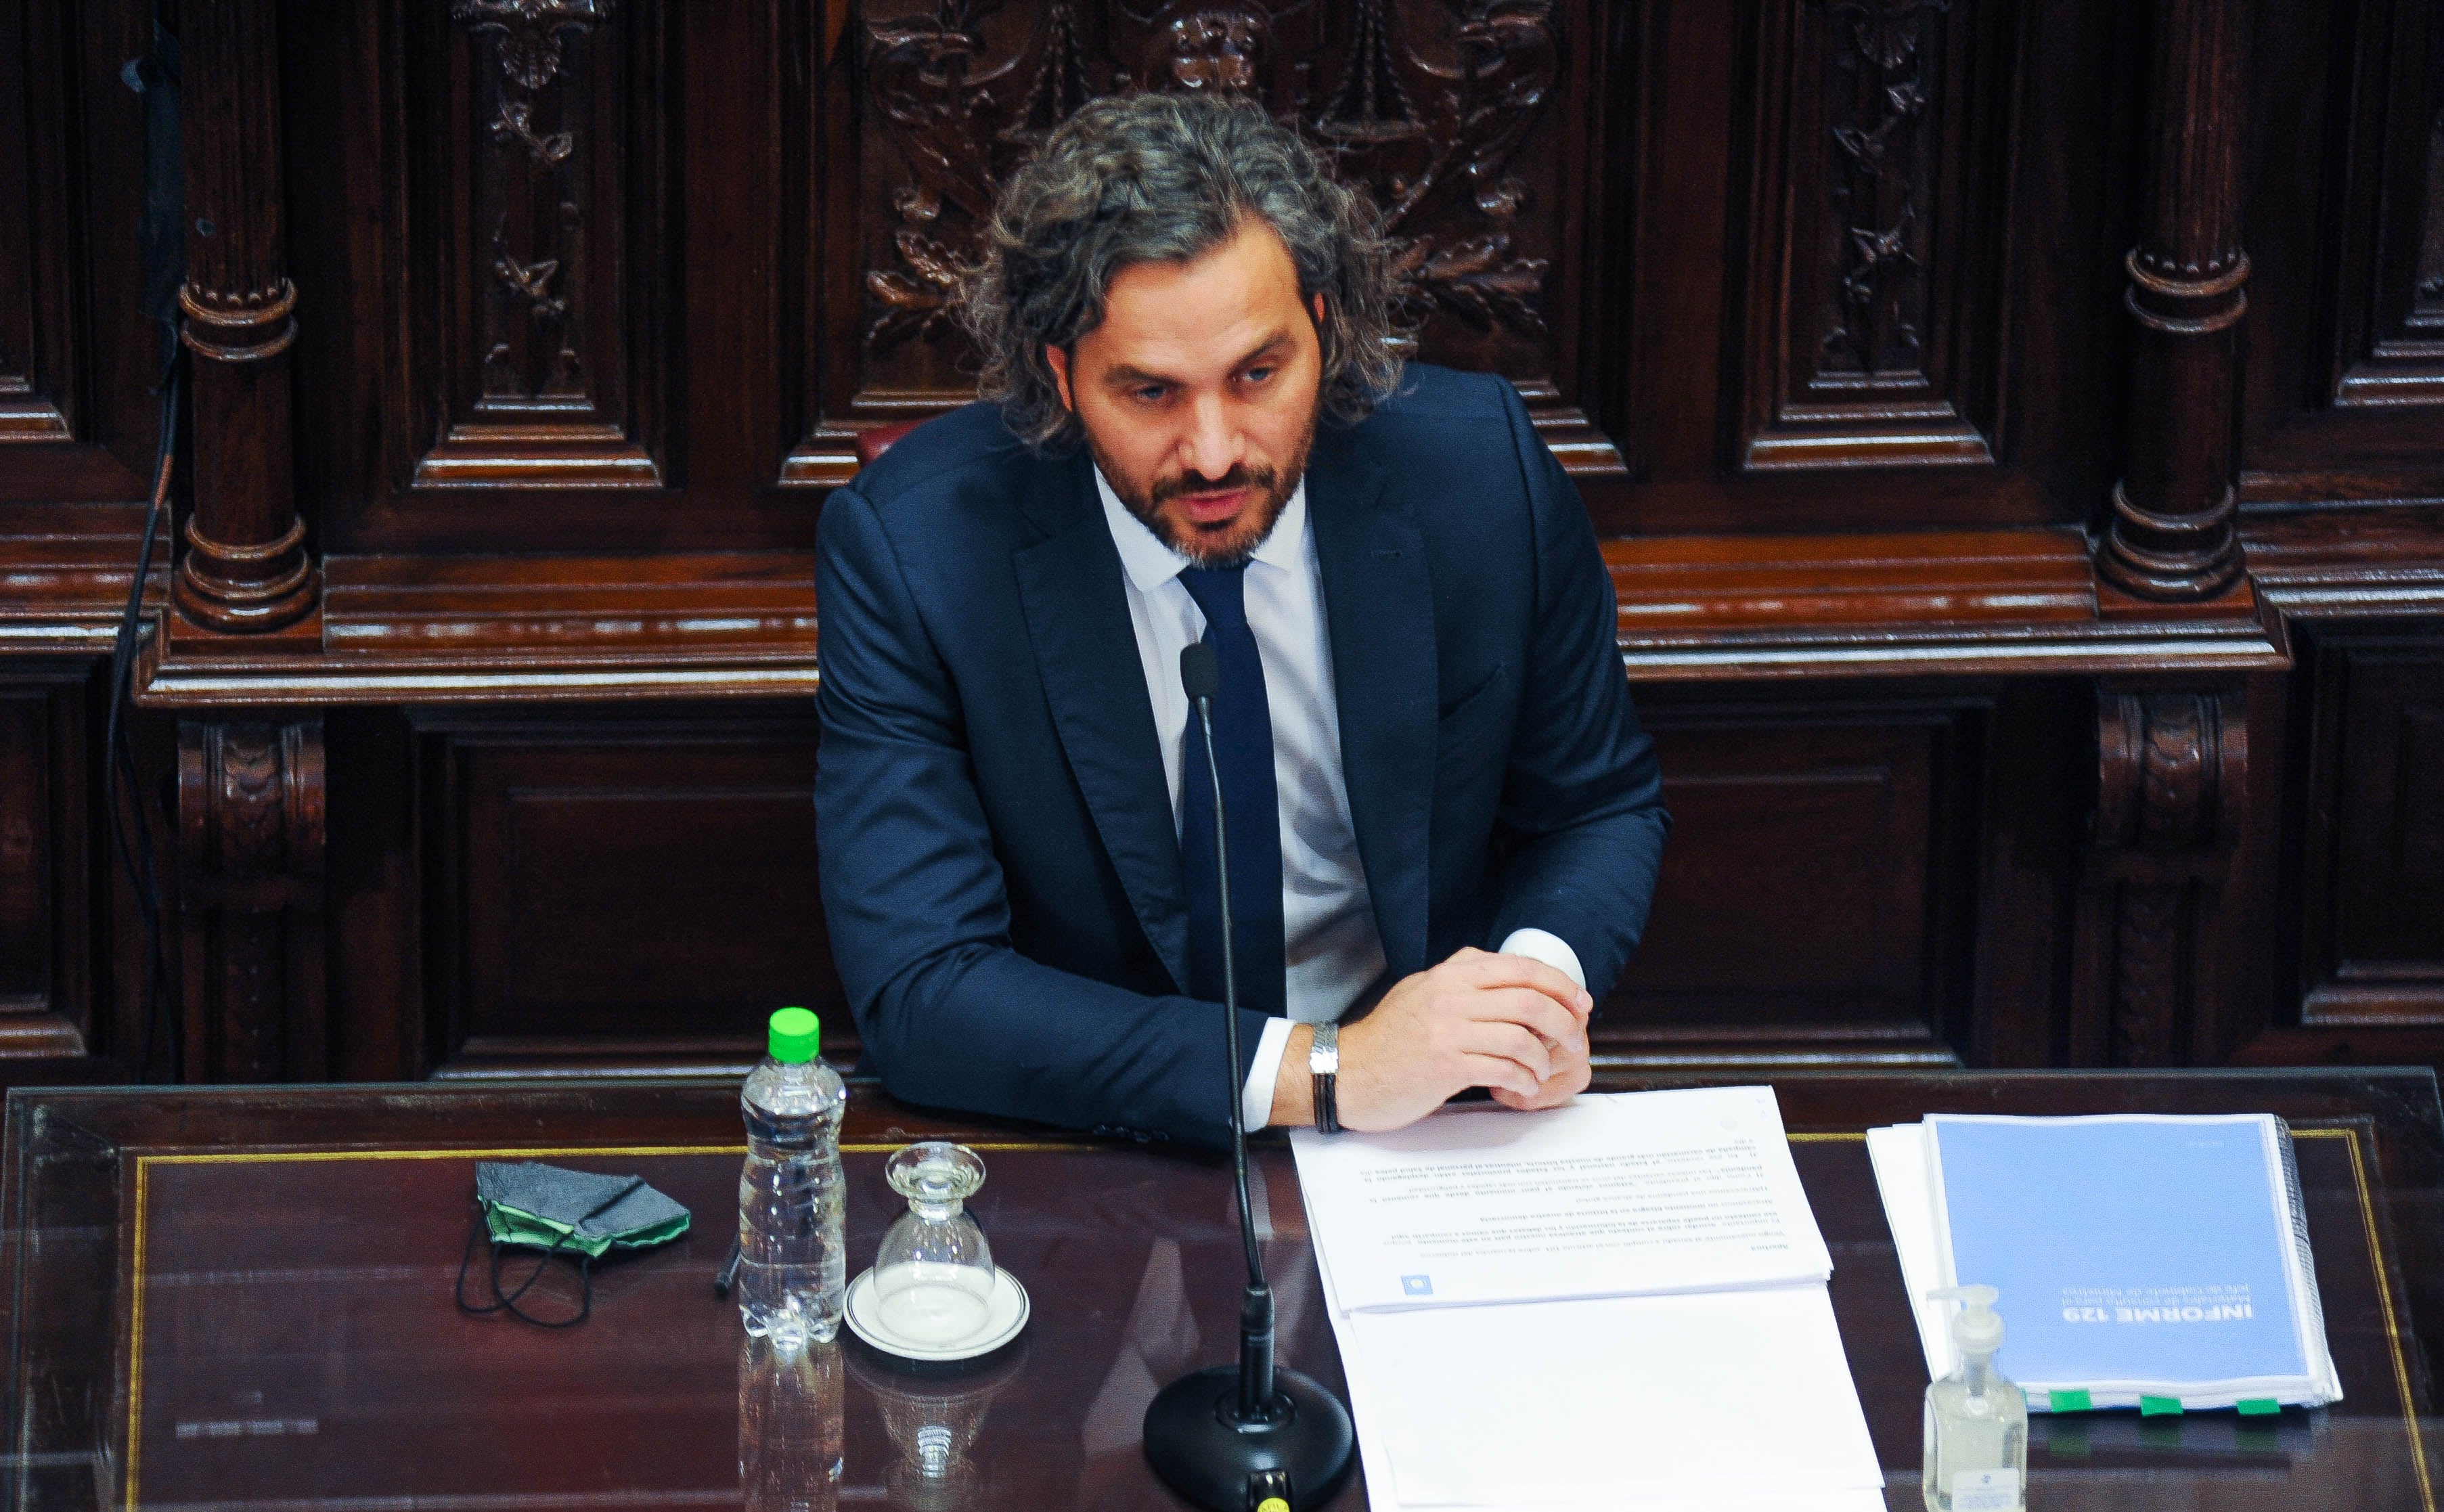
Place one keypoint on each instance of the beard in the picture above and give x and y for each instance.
(1234, 542)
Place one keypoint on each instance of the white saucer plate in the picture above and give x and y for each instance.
(1007, 1310)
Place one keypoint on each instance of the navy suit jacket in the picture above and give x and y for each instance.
(1001, 870)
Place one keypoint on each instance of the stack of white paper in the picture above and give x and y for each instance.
(1616, 1303)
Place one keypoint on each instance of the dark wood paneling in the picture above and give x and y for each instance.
(26, 843)
(2346, 374)
(2373, 911)
(1854, 275)
(2389, 326)
(1812, 907)
(30, 310)
(1875, 269)
(46, 842)
(609, 376)
(547, 256)
(76, 352)
(629, 888)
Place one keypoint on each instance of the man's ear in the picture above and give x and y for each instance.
(1317, 300)
(1058, 361)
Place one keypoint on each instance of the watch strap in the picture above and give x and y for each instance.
(1323, 1067)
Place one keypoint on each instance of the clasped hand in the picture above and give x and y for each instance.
(1513, 1025)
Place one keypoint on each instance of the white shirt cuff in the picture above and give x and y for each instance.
(1256, 1097)
(1537, 944)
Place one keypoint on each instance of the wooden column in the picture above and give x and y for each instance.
(251, 846)
(246, 568)
(2172, 535)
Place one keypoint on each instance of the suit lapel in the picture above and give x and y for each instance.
(1086, 652)
(1378, 605)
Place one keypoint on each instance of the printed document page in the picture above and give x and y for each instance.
(1629, 1405)
(1696, 1398)
(1612, 1195)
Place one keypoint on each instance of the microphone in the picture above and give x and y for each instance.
(1200, 676)
(1254, 1438)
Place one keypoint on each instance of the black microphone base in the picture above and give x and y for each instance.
(1204, 1456)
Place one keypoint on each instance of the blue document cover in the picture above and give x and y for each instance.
(2140, 1252)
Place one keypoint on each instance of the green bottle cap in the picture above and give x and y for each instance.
(796, 1034)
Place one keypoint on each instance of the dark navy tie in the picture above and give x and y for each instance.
(1243, 749)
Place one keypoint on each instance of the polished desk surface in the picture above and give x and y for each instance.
(218, 1297)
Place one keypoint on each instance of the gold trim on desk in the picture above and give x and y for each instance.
(2384, 1298)
(143, 1190)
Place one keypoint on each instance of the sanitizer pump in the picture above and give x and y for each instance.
(1976, 1422)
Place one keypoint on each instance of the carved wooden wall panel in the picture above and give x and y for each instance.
(30, 314)
(547, 247)
(75, 350)
(581, 218)
(636, 889)
(1876, 252)
(1810, 907)
(2373, 881)
(726, 237)
(2391, 305)
(45, 964)
(1856, 289)
(2345, 373)
(1466, 122)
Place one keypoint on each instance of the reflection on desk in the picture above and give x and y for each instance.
(933, 1416)
(789, 1429)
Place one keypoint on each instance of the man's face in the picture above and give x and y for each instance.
(1198, 393)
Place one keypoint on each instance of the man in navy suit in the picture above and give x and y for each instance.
(1444, 821)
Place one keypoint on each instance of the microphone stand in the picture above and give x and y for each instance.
(1253, 1438)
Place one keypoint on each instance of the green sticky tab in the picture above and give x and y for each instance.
(2259, 1407)
(2160, 1407)
(2069, 1401)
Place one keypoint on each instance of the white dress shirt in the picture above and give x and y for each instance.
(1330, 947)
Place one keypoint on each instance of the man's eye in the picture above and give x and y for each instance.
(1258, 374)
(1151, 392)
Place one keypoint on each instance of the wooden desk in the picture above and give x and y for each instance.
(225, 1297)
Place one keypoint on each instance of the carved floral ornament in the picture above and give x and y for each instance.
(528, 313)
(531, 31)
(1879, 170)
(1429, 131)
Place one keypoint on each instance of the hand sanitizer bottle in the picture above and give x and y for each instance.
(1976, 1422)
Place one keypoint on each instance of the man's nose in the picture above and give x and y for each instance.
(1210, 445)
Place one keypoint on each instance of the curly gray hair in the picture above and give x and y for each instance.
(1160, 178)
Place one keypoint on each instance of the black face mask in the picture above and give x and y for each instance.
(579, 1213)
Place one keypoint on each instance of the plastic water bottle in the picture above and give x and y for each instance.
(792, 1267)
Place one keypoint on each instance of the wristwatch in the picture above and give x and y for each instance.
(1323, 1064)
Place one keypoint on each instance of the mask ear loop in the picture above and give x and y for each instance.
(510, 1303)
